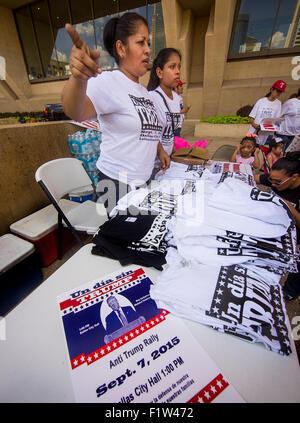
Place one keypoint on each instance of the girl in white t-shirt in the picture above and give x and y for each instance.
(130, 125)
(266, 107)
(164, 77)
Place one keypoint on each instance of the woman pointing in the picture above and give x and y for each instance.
(130, 126)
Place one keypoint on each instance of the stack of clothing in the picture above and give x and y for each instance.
(226, 245)
(237, 223)
(242, 300)
(133, 238)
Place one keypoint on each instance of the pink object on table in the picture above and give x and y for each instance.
(181, 143)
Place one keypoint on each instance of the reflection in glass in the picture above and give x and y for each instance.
(47, 46)
(60, 54)
(24, 24)
(41, 21)
(254, 25)
(287, 25)
(157, 29)
(264, 25)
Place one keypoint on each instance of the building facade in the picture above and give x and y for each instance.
(232, 50)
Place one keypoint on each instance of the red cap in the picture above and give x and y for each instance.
(279, 85)
(180, 82)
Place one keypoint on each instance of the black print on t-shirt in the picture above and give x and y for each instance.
(197, 170)
(189, 187)
(252, 252)
(241, 299)
(168, 135)
(258, 195)
(154, 238)
(243, 177)
(150, 126)
(161, 201)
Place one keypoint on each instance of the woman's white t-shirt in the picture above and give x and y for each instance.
(166, 116)
(130, 127)
(291, 113)
(262, 109)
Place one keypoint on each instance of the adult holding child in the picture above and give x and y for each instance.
(266, 107)
(130, 126)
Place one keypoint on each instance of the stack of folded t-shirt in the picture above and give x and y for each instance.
(242, 300)
(215, 233)
(133, 238)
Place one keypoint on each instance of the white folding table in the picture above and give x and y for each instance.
(35, 363)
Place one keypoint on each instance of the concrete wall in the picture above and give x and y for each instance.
(23, 148)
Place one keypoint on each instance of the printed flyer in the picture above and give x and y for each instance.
(271, 124)
(123, 349)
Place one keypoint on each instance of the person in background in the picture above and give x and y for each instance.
(275, 151)
(266, 107)
(163, 79)
(130, 126)
(179, 90)
(247, 152)
(290, 126)
(284, 178)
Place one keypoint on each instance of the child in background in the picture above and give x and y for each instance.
(275, 151)
(179, 90)
(163, 79)
(245, 150)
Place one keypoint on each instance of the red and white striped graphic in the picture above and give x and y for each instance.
(118, 342)
(210, 392)
(92, 124)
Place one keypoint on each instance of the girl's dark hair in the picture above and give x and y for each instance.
(274, 143)
(251, 139)
(298, 93)
(159, 62)
(290, 164)
(120, 29)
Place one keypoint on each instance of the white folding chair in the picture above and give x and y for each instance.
(58, 178)
(223, 153)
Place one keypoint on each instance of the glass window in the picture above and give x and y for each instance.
(285, 31)
(157, 29)
(82, 20)
(59, 17)
(42, 27)
(47, 46)
(263, 26)
(28, 41)
(103, 11)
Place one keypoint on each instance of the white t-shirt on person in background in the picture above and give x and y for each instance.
(167, 137)
(130, 127)
(262, 109)
(291, 112)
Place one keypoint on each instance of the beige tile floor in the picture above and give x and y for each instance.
(292, 307)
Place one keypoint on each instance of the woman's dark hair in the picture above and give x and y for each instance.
(251, 139)
(120, 29)
(290, 164)
(298, 93)
(159, 62)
